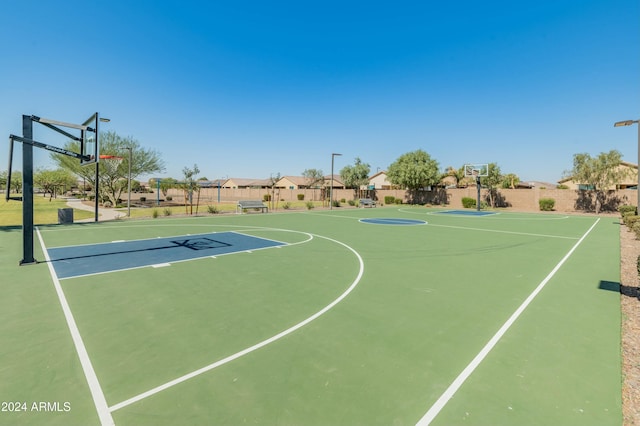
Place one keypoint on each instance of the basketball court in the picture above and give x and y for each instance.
(358, 316)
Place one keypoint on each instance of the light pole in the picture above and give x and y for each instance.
(130, 149)
(629, 123)
(333, 155)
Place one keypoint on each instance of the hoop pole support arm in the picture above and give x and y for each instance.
(49, 147)
(59, 130)
(60, 123)
(8, 195)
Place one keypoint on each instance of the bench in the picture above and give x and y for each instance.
(251, 204)
(364, 202)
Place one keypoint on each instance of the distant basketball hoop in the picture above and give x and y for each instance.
(476, 171)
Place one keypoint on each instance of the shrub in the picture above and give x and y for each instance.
(107, 204)
(154, 214)
(352, 202)
(343, 200)
(546, 204)
(286, 205)
(389, 199)
(638, 263)
(335, 203)
(625, 210)
(266, 197)
(167, 211)
(169, 198)
(468, 202)
(561, 186)
(630, 220)
(212, 209)
(636, 229)
(300, 197)
(310, 205)
(398, 200)
(143, 199)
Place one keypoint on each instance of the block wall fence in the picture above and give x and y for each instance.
(566, 200)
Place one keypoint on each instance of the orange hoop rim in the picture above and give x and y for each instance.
(110, 157)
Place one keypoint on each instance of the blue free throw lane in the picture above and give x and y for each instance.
(74, 261)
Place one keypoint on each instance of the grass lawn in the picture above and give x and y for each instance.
(45, 211)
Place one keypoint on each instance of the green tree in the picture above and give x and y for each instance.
(457, 174)
(165, 184)
(356, 176)
(3, 179)
(113, 180)
(314, 179)
(492, 182)
(16, 181)
(189, 186)
(414, 171)
(599, 173)
(135, 185)
(53, 181)
(510, 180)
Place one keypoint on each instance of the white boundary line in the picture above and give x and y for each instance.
(469, 369)
(94, 386)
(503, 232)
(500, 215)
(257, 345)
(409, 222)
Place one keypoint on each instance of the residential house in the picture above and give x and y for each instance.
(337, 182)
(379, 181)
(296, 182)
(240, 183)
(630, 182)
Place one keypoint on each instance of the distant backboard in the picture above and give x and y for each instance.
(89, 141)
(476, 170)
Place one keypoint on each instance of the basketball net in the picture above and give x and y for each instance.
(111, 163)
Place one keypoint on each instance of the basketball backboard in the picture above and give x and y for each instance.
(89, 141)
(476, 170)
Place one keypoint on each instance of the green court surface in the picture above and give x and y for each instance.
(504, 319)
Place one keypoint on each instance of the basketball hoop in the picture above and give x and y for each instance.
(111, 162)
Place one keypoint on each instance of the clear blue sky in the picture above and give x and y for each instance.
(255, 88)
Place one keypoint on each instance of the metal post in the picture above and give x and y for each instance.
(27, 193)
(96, 190)
(9, 168)
(478, 188)
(629, 123)
(331, 188)
(129, 186)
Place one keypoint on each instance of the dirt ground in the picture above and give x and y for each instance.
(630, 306)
